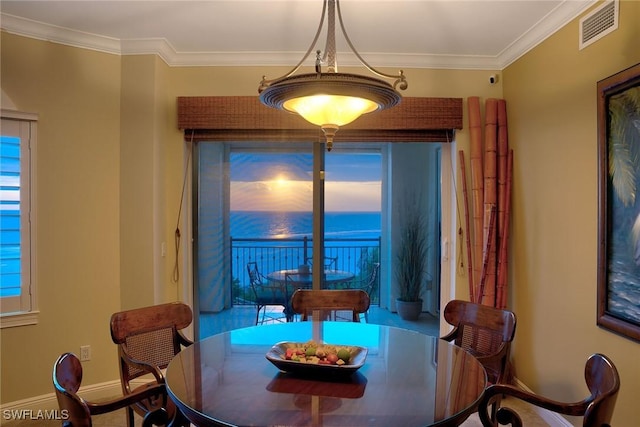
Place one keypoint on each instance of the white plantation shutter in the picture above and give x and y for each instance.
(17, 219)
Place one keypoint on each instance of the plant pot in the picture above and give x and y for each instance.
(409, 310)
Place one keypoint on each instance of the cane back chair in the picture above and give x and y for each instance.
(484, 331)
(148, 338)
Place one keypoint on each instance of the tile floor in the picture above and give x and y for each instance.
(245, 316)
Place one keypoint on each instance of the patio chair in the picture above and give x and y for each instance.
(329, 301)
(265, 292)
(148, 338)
(330, 263)
(67, 377)
(596, 409)
(367, 284)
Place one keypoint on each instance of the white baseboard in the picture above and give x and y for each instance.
(47, 402)
(552, 418)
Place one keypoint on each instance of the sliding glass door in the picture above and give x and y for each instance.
(254, 204)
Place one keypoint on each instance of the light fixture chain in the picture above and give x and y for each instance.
(330, 47)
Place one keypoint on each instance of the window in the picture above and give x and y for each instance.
(17, 219)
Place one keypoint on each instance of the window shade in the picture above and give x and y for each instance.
(244, 118)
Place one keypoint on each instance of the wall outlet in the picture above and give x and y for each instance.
(85, 353)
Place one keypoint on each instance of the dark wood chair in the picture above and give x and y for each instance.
(148, 338)
(67, 377)
(596, 409)
(330, 301)
(485, 332)
(265, 293)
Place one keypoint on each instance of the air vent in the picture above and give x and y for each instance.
(598, 23)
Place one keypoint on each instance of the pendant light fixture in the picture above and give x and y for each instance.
(331, 99)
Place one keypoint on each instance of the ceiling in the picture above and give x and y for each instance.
(462, 34)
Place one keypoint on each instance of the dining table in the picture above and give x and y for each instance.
(403, 378)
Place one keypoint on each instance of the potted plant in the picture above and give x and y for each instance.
(410, 270)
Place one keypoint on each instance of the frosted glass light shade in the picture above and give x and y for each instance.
(323, 109)
(331, 98)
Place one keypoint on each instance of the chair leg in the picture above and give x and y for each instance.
(130, 417)
(257, 313)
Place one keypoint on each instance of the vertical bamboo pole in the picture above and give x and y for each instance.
(503, 153)
(490, 199)
(465, 196)
(475, 132)
(502, 288)
(482, 291)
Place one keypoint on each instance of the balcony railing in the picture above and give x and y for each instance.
(353, 255)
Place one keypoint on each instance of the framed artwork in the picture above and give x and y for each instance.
(619, 203)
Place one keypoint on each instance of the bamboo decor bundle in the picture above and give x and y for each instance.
(491, 171)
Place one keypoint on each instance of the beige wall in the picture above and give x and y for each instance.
(551, 104)
(77, 96)
(110, 170)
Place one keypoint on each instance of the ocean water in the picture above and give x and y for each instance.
(275, 239)
(267, 224)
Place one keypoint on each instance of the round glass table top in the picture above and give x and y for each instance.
(407, 379)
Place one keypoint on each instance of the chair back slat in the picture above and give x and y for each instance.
(156, 348)
(174, 315)
(479, 341)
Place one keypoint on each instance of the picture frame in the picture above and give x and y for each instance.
(618, 123)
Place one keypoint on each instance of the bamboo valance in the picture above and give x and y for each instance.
(244, 118)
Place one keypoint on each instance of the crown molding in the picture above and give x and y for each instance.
(564, 13)
(41, 31)
(556, 19)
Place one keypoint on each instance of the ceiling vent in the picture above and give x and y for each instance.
(598, 23)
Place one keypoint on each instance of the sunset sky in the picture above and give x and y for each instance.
(283, 182)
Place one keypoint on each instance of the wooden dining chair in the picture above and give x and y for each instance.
(148, 338)
(485, 332)
(78, 412)
(330, 301)
(596, 409)
(265, 292)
